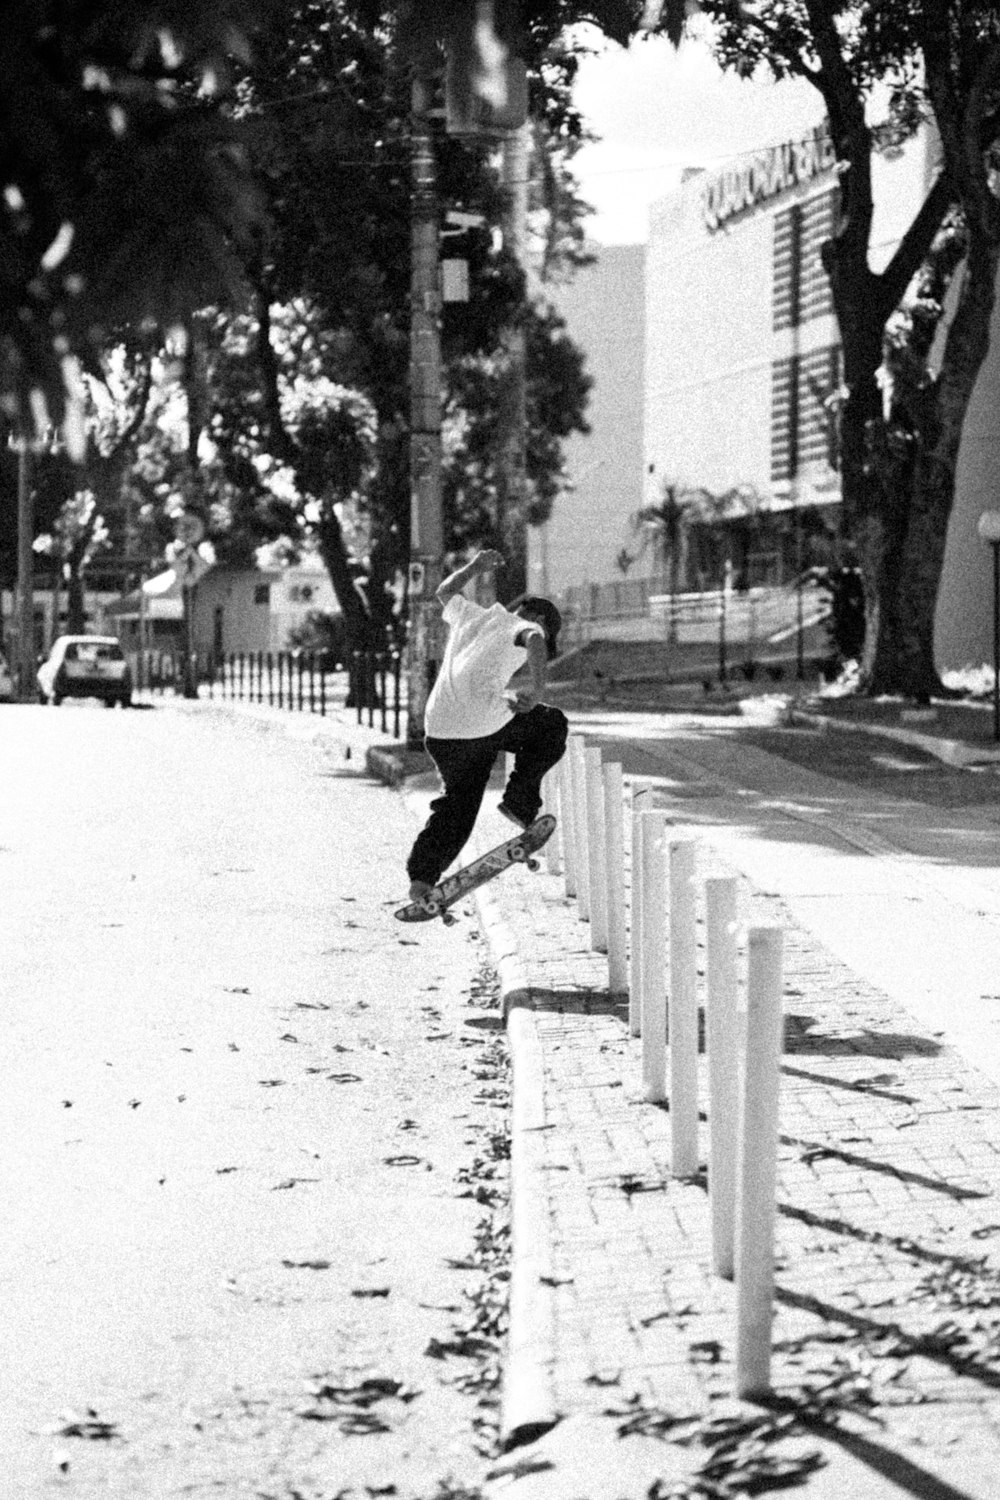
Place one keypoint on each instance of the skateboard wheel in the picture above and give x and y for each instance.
(448, 918)
(532, 864)
(518, 853)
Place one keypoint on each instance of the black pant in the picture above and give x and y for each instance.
(536, 739)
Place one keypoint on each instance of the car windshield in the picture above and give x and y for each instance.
(94, 651)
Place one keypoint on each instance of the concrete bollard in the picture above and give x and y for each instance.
(683, 1012)
(597, 847)
(614, 816)
(567, 822)
(653, 1002)
(721, 1036)
(642, 801)
(578, 782)
(550, 804)
(757, 1164)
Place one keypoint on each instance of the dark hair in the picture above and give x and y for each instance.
(549, 616)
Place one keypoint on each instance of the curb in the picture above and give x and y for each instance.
(395, 764)
(527, 1405)
(952, 752)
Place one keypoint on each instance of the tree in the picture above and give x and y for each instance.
(900, 418)
(326, 115)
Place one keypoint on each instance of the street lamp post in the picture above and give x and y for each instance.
(988, 528)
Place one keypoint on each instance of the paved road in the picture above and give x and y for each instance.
(239, 1110)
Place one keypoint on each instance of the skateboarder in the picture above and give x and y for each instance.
(487, 699)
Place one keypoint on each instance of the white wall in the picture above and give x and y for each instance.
(604, 311)
(709, 348)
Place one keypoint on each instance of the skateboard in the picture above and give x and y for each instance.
(516, 851)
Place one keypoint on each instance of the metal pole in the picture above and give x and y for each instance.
(800, 659)
(25, 574)
(996, 640)
(512, 482)
(427, 533)
(722, 633)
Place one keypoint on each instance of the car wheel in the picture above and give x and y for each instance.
(125, 700)
(110, 702)
(56, 699)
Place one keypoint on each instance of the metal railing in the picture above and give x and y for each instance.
(371, 682)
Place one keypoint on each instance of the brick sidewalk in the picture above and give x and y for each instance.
(886, 1361)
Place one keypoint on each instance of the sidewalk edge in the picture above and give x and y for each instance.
(527, 1408)
(951, 752)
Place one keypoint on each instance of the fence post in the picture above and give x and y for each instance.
(683, 1012)
(654, 924)
(723, 1072)
(642, 801)
(757, 1167)
(598, 861)
(614, 815)
(578, 784)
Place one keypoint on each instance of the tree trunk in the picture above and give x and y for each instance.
(359, 633)
(903, 660)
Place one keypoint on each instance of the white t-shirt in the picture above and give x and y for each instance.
(467, 700)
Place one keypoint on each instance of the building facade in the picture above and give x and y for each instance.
(743, 366)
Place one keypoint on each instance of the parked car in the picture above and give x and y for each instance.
(6, 681)
(86, 666)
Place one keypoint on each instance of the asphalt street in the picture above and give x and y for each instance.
(252, 1129)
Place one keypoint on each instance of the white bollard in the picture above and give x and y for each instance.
(578, 781)
(550, 805)
(683, 1012)
(598, 853)
(567, 822)
(757, 1164)
(642, 801)
(723, 1071)
(614, 815)
(653, 1002)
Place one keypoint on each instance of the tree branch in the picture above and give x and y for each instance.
(915, 245)
(267, 363)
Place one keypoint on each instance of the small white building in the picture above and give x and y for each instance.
(233, 609)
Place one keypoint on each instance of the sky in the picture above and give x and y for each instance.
(657, 111)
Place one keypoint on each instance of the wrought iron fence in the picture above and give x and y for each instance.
(370, 682)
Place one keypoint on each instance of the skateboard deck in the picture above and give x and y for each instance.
(515, 851)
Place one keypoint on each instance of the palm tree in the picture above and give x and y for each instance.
(665, 526)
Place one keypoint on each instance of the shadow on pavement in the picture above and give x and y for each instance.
(812, 1151)
(580, 1002)
(836, 792)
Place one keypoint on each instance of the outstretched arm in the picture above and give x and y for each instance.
(527, 686)
(483, 562)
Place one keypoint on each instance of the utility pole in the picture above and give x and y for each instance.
(511, 492)
(427, 531)
(25, 612)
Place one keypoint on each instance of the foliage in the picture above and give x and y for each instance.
(125, 191)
